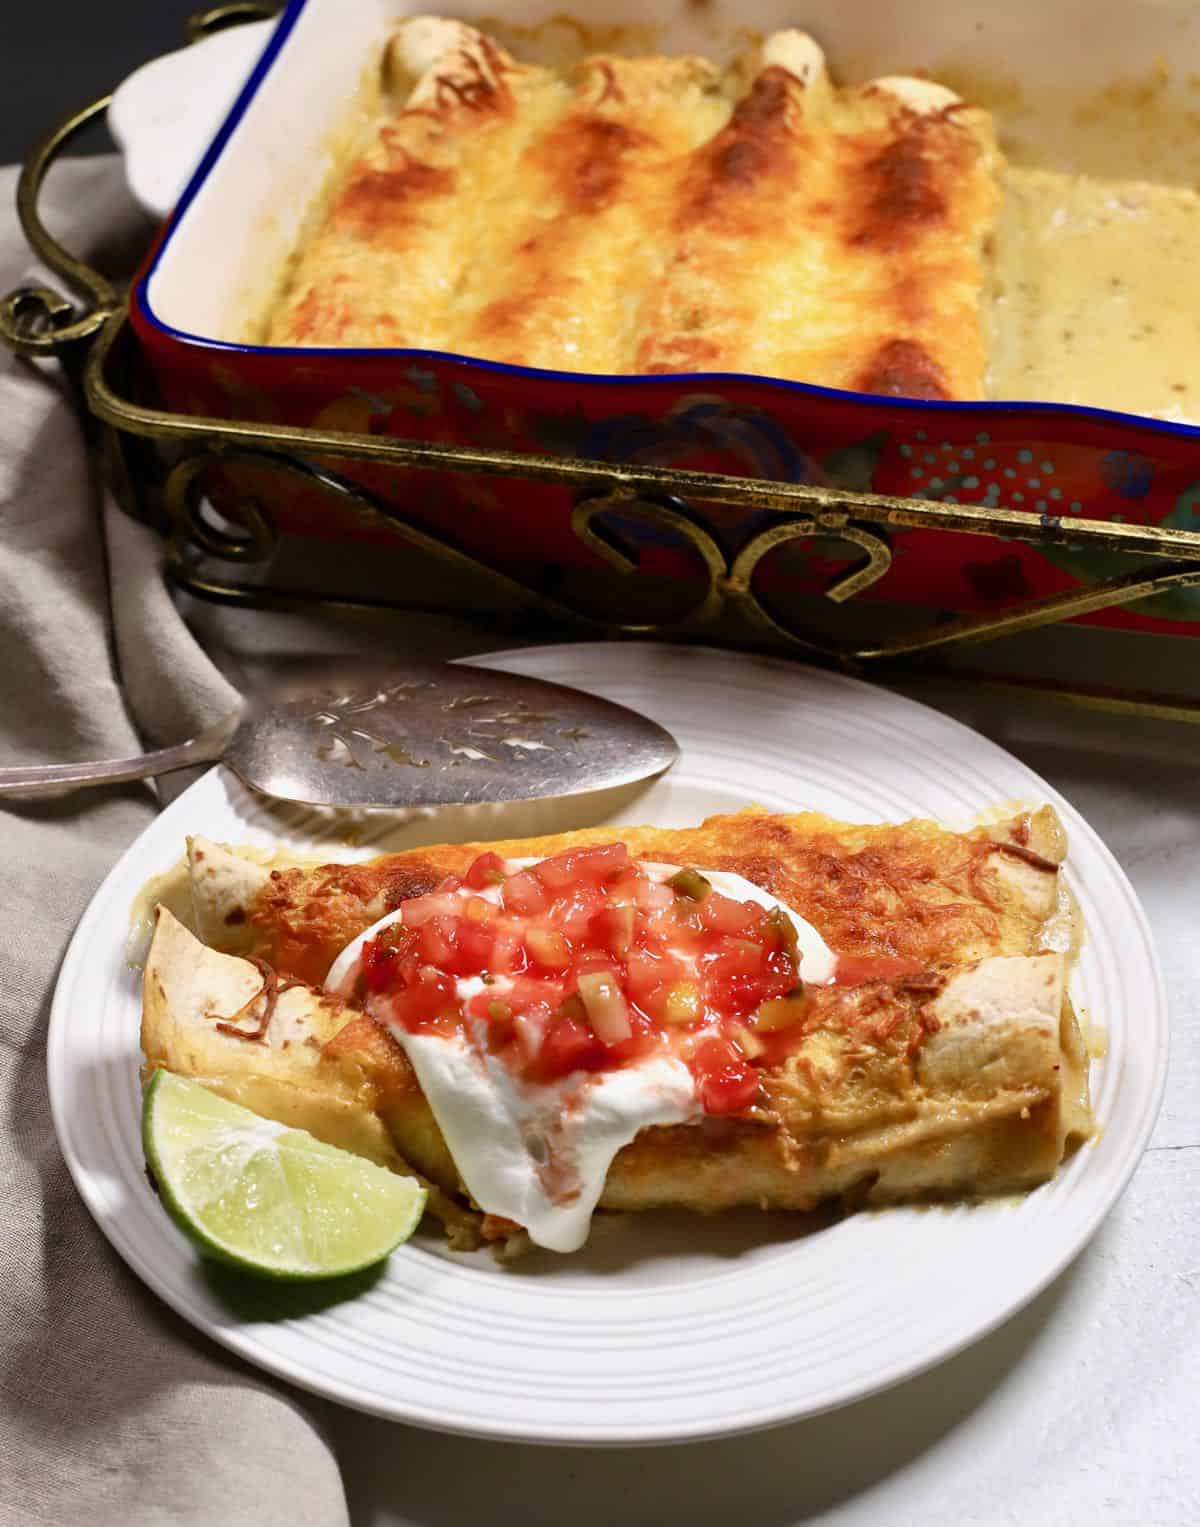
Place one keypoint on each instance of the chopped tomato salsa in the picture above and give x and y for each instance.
(587, 962)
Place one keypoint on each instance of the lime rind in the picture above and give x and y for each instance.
(265, 1198)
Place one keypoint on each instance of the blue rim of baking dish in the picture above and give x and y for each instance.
(1142, 423)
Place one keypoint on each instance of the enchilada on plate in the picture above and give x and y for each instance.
(819, 1011)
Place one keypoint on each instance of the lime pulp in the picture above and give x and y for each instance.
(268, 1199)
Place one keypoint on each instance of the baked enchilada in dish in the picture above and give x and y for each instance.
(657, 215)
(762, 1010)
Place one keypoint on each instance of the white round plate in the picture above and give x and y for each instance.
(665, 1327)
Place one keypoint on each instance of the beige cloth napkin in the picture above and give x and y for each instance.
(111, 1409)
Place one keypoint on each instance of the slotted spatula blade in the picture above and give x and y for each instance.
(441, 734)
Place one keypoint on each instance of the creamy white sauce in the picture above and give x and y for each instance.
(539, 1154)
(1094, 297)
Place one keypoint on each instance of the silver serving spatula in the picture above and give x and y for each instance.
(397, 736)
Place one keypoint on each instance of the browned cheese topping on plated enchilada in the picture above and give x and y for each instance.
(659, 215)
(760, 1010)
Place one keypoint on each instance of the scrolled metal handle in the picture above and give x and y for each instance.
(31, 312)
(34, 320)
(215, 18)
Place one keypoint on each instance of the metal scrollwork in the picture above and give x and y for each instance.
(215, 18)
(869, 570)
(669, 514)
(1107, 594)
(33, 315)
(246, 535)
(34, 320)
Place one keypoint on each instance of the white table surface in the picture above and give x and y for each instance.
(1082, 1409)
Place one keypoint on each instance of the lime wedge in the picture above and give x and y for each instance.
(271, 1200)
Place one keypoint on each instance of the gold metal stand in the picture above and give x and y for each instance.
(36, 321)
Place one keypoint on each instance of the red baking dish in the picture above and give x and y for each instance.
(240, 212)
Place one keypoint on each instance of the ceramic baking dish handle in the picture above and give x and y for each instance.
(163, 117)
(167, 112)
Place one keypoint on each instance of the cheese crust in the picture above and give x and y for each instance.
(648, 215)
(968, 1076)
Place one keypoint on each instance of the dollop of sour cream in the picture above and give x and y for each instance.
(539, 1154)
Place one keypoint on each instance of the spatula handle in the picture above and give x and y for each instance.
(58, 779)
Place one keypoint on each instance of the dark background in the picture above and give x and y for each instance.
(59, 54)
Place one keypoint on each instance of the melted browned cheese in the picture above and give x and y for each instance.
(556, 282)
(733, 201)
(650, 215)
(413, 210)
(637, 218)
(920, 197)
(913, 890)
(832, 238)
